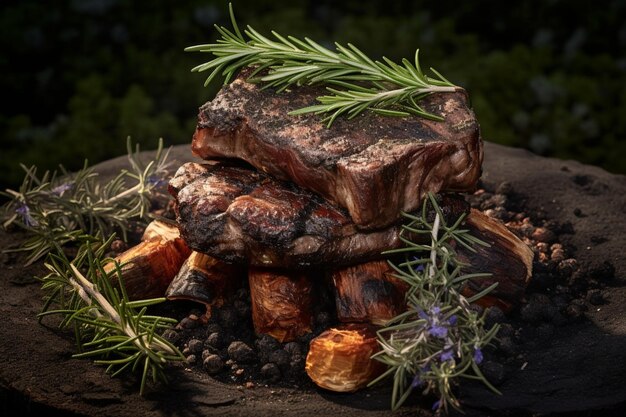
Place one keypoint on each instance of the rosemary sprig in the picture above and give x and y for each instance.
(55, 210)
(439, 338)
(356, 82)
(107, 326)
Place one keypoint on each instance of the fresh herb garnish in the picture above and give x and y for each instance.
(107, 325)
(440, 337)
(76, 208)
(356, 82)
(55, 210)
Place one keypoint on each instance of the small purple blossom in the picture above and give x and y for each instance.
(24, 211)
(417, 379)
(452, 320)
(447, 355)
(61, 189)
(419, 267)
(438, 331)
(435, 325)
(156, 181)
(478, 355)
(436, 405)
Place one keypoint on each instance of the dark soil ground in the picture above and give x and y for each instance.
(562, 352)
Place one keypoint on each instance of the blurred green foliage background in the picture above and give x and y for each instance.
(79, 76)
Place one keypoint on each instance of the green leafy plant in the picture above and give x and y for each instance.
(56, 209)
(107, 326)
(76, 208)
(356, 82)
(440, 337)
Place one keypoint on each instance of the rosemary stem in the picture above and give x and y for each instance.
(123, 194)
(89, 288)
(139, 341)
(433, 251)
(437, 89)
(83, 295)
(383, 95)
(358, 82)
(439, 338)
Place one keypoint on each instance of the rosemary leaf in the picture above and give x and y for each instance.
(107, 325)
(58, 210)
(384, 87)
(438, 339)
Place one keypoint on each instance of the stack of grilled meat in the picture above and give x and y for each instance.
(294, 205)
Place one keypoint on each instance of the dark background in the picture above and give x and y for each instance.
(79, 76)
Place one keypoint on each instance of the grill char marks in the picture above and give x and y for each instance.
(240, 215)
(352, 164)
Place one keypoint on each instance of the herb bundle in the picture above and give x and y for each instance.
(108, 326)
(55, 210)
(76, 209)
(355, 82)
(440, 337)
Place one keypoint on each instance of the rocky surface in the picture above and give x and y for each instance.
(562, 352)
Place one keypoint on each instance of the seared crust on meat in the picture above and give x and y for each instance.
(374, 166)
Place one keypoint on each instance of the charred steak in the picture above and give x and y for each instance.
(240, 215)
(374, 166)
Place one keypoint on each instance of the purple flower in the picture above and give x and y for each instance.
(447, 355)
(435, 326)
(419, 267)
(452, 320)
(61, 189)
(156, 181)
(417, 379)
(478, 355)
(438, 331)
(436, 405)
(24, 211)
